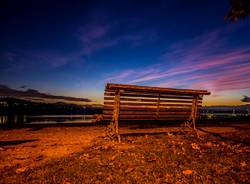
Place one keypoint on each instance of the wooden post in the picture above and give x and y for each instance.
(158, 104)
(194, 110)
(117, 113)
(198, 116)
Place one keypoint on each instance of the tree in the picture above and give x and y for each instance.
(239, 9)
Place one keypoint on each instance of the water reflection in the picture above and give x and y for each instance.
(12, 120)
(3, 119)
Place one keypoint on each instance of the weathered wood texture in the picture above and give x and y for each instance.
(116, 112)
(141, 102)
(130, 102)
(151, 103)
(125, 87)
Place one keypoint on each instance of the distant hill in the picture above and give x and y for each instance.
(15, 106)
(245, 99)
(5, 91)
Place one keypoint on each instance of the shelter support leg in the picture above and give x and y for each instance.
(194, 110)
(114, 124)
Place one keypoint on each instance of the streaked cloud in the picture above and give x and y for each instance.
(97, 35)
(93, 31)
(22, 60)
(94, 36)
(205, 62)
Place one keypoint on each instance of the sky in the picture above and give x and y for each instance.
(73, 48)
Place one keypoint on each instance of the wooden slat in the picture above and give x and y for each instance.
(154, 106)
(176, 105)
(147, 118)
(175, 112)
(174, 109)
(147, 104)
(173, 119)
(151, 105)
(131, 112)
(106, 107)
(150, 95)
(151, 92)
(147, 100)
(148, 113)
(126, 87)
(150, 118)
(148, 109)
(130, 103)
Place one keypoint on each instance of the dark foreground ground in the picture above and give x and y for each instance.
(152, 155)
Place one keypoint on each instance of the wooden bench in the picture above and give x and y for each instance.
(130, 102)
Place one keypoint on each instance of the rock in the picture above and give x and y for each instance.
(187, 172)
(243, 164)
(38, 158)
(106, 147)
(209, 144)
(113, 157)
(21, 170)
(129, 170)
(195, 146)
(109, 178)
(21, 157)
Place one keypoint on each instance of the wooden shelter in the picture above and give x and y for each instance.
(131, 102)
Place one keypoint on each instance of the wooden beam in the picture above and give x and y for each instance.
(126, 87)
(151, 118)
(108, 99)
(149, 104)
(158, 105)
(151, 95)
(194, 110)
(117, 113)
(140, 116)
(147, 112)
(161, 109)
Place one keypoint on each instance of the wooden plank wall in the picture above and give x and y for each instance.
(150, 106)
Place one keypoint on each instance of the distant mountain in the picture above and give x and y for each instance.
(5, 91)
(15, 106)
(245, 99)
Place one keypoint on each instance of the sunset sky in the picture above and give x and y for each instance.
(73, 48)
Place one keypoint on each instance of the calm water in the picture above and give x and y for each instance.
(44, 119)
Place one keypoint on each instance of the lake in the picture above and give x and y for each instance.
(44, 119)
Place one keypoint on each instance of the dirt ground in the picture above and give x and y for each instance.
(220, 154)
(29, 147)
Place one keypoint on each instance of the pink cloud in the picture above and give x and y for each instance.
(123, 74)
(203, 62)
